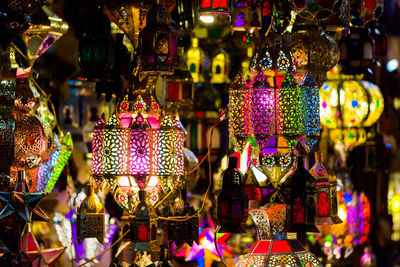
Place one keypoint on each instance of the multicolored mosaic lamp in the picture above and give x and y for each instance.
(316, 9)
(275, 246)
(348, 104)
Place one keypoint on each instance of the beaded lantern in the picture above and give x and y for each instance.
(364, 12)
(143, 225)
(356, 51)
(275, 246)
(157, 42)
(246, 15)
(313, 50)
(90, 217)
(347, 105)
(299, 190)
(232, 199)
(326, 196)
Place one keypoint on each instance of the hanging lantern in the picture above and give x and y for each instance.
(257, 185)
(394, 203)
(326, 198)
(246, 15)
(347, 105)
(143, 226)
(213, 8)
(7, 126)
(313, 51)
(220, 68)
(275, 246)
(96, 48)
(299, 190)
(184, 230)
(90, 217)
(232, 200)
(239, 124)
(157, 42)
(364, 12)
(180, 89)
(316, 9)
(356, 51)
(195, 60)
(277, 160)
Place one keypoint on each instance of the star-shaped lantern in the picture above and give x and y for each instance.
(22, 205)
(38, 256)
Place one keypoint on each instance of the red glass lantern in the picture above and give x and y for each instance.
(299, 190)
(143, 226)
(157, 42)
(214, 6)
(326, 195)
(232, 200)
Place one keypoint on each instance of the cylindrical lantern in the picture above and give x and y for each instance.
(220, 67)
(195, 59)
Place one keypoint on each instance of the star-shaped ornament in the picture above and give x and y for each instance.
(39, 257)
(21, 204)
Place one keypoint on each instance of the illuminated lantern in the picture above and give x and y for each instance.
(180, 89)
(313, 50)
(394, 203)
(276, 110)
(257, 185)
(299, 190)
(246, 15)
(214, 7)
(356, 51)
(157, 42)
(275, 246)
(277, 160)
(239, 128)
(380, 42)
(220, 67)
(316, 9)
(347, 105)
(195, 59)
(143, 226)
(96, 48)
(90, 217)
(363, 12)
(326, 196)
(232, 200)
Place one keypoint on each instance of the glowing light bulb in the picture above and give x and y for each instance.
(342, 214)
(207, 19)
(392, 65)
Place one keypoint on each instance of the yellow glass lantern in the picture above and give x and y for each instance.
(220, 68)
(195, 59)
(347, 105)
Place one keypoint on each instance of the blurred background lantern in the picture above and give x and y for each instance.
(299, 190)
(246, 15)
(220, 67)
(232, 200)
(195, 59)
(394, 204)
(356, 51)
(214, 12)
(348, 104)
(317, 10)
(313, 50)
(96, 48)
(275, 246)
(157, 42)
(326, 196)
(364, 12)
